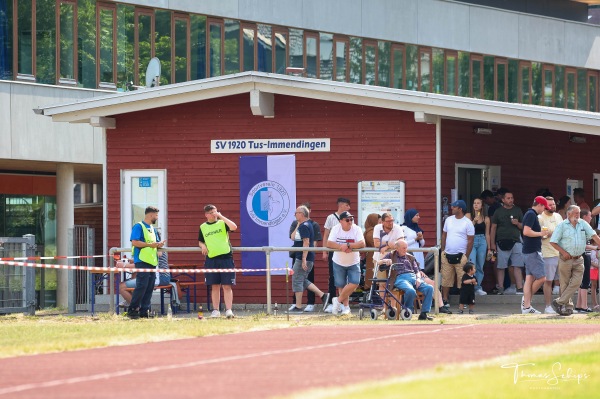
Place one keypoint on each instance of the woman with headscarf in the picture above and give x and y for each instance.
(371, 221)
(413, 234)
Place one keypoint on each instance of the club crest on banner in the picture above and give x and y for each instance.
(268, 203)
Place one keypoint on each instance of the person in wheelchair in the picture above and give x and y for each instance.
(407, 276)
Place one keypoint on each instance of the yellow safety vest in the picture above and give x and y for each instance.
(147, 254)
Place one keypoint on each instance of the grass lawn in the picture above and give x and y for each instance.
(45, 333)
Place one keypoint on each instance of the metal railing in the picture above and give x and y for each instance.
(267, 251)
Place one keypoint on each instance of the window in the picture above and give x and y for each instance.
(163, 44)
(6, 39)
(425, 69)
(570, 88)
(341, 60)
(451, 73)
(198, 47)
(412, 67)
(311, 54)
(369, 66)
(537, 89)
(46, 32)
(500, 80)
(181, 48)
(248, 43)
(125, 51)
(398, 67)
(106, 45)
(356, 51)
(525, 82)
(476, 90)
(559, 86)
(265, 48)
(280, 53)
(548, 85)
(232, 46)
(582, 101)
(464, 74)
(326, 54)
(488, 77)
(383, 63)
(67, 42)
(296, 49)
(144, 43)
(437, 82)
(24, 50)
(214, 50)
(592, 93)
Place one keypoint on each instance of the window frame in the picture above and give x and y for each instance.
(550, 68)
(522, 65)
(113, 8)
(501, 61)
(479, 58)
(174, 18)
(397, 47)
(252, 26)
(136, 41)
(221, 23)
(59, 80)
(375, 45)
(317, 37)
(451, 53)
(421, 51)
(346, 41)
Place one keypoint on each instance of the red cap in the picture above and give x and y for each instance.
(542, 201)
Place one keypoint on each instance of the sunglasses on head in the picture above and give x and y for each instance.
(349, 219)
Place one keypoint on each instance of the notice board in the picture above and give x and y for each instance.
(380, 196)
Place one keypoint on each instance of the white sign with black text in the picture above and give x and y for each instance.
(269, 146)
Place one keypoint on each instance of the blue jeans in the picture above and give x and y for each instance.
(144, 285)
(477, 257)
(407, 282)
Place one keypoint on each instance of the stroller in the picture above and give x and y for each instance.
(380, 301)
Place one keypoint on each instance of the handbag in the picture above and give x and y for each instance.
(506, 245)
(454, 259)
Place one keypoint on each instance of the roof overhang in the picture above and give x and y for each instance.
(97, 110)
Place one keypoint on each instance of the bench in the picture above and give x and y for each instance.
(186, 286)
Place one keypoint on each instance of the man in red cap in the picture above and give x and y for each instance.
(535, 274)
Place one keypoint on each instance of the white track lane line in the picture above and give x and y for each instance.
(155, 369)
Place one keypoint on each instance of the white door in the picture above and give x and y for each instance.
(142, 188)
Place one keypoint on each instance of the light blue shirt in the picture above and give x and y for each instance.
(572, 239)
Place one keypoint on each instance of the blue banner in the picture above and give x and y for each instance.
(267, 205)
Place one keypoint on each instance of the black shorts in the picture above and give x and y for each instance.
(467, 297)
(223, 278)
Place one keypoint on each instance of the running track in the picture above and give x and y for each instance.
(265, 363)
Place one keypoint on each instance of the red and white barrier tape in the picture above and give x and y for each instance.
(58, 257)
(134, 269)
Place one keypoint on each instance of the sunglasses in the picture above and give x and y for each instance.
(348, 220)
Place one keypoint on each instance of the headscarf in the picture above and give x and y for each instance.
(408, 217)
(370, 223)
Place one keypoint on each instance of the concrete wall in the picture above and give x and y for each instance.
(26, 136)
(438, 23)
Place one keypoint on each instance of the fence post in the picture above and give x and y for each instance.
(436, 278)
(268, 256)
(111, 288)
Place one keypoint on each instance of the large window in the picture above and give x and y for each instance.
(411, 67)
(46, 54)
(384, 63)
(326, 56)
(525, 82)
(215, 48)
(24, 11)
(181, 48)
(280, 53)
(592, 87)
(369, 66)
(297, 50)
(548, 85)
(231, 46)
(501, 80)
(311, 54)
(438, 78)
(356, 60)
(570, 88)
(451, 72)
(398, 66)
(582, 91)
(424, 69)
(488, 78)
(476, 76)
(67, 42)
(248, 43)
(198, 47)
(265, 48)
(144, 43)
(163, 44)
(6, 24)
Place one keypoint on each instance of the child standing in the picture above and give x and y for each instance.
(467, 290)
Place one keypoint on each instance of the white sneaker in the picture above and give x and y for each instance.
(309, 308)
(335, 309)
(328, 309)
(556, 290)
(510, 290)
(291, 307)
(549, 310)
(346, 310)
(522, 303)
(215, 313)
(530, 310)
(229, 314)
(480, 292)
(123, 304)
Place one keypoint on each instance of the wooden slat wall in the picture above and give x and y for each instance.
(367, 144)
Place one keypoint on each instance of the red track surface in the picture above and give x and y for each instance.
(265, 363)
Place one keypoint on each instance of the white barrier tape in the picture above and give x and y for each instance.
(135, 269)
(54, 257)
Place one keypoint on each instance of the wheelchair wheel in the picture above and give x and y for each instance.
(360, 314)
(374, 314)
(391, 312)
(406, 314)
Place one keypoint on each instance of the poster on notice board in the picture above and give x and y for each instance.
(380, 196)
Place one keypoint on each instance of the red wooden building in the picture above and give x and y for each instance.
(427, 140)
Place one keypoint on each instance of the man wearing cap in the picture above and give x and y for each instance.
(535, 275)
(505, 235)
(570, 239)
(457, 242)
(343, 205)
(345, 237)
